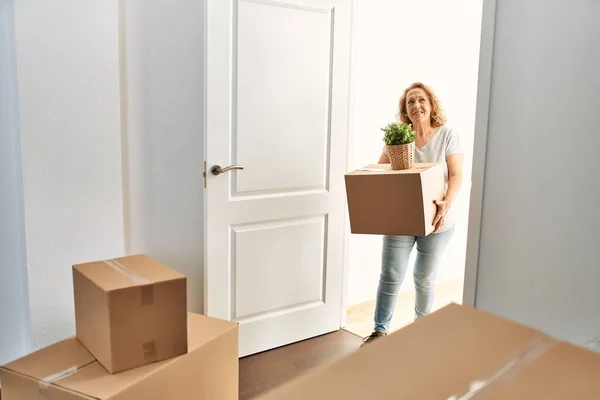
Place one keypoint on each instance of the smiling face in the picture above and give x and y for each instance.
(418, 106)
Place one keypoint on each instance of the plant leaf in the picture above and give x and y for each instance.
(398, 133)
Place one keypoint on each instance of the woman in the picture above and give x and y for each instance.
(435, 142)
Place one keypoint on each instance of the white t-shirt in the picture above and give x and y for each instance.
(443, 143)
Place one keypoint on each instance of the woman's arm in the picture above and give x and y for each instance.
(455, 176)
(384, 159)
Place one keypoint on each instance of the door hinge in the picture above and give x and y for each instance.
(204, 174)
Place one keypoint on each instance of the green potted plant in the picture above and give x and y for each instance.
(399, 139)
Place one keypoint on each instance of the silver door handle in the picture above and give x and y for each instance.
(217, 170)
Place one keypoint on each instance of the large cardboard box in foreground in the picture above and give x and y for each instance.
(383, 201)
(456, 353)
(130, 311)
(67, 371)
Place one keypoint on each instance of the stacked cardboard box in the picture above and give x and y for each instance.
(130, 312)
(382, 201)
(134, 340)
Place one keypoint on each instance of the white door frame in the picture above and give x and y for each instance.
(479, 153)
(349, 144)
(486, 51)
(484, 89)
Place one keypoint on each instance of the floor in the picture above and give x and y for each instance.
(360, 317)
(262, 372)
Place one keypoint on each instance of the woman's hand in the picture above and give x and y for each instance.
(440, 217)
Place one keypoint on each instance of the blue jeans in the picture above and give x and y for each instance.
(394, 263)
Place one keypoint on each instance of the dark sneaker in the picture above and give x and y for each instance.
(372, 337)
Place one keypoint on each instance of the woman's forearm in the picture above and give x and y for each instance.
(384, 159)
(454, 183)
(455, 177)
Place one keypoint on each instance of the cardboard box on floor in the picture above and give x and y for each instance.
(130, 311)
(67, 371)
(456, 353)
(383, 201)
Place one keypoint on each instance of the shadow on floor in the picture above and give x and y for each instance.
(264, 371)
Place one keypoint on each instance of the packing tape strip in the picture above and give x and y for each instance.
(147, 293)
(531, 353)
(120, 268)
(594, 345)
(49, 380)
(150, 351)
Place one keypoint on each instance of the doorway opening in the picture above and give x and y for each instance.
(396, 44)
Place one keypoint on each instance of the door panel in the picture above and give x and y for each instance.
(287, 276)
(277, 80)
(283, 98)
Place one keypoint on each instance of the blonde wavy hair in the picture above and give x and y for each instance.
(437, 114)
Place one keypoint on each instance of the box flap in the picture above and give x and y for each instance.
(434, 358)
(376, 169)
(203, 329)
(67, 356)
(89, 377)
(125, 272)
(95, 381)
(561, 372)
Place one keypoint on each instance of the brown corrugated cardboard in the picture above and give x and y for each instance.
(452, 354)
(67, 371)
(561, 372)
(130, 311)
(383, 201)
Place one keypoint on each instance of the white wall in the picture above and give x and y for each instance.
(400, 42)
(538, 259)
(68, 92)
(163, 134)
(73, 202)
(14, 303)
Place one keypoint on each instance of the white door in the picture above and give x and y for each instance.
(277, 85)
